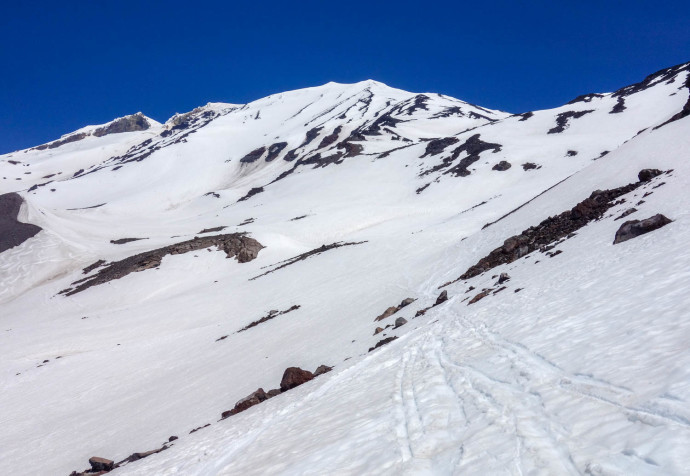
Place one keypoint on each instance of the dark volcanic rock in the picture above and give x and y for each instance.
(563, 120)
(474, 146)
(135, 122)
(501, 166)
(101, 464)
(249, 401)
(401, 321)
(253, 191)
(236, 245)
(253, 156)
(443, 297)
(122, 241)
(480, 296)
(388, 312)
(503, 278)
(330, 138)
(13, 232)
(383, 342)
(530, 166)
(322, 369)
(552, 229)
(634, 228)
(293, 377)
(646, 175)
(405, 302)
(275, 150)
(436, 146)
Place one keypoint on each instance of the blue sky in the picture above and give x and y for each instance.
(68, 64)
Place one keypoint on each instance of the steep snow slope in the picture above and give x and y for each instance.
(585, 369)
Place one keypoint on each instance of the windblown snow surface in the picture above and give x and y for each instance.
(580, 366)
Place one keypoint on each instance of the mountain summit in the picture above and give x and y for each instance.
(427, 285)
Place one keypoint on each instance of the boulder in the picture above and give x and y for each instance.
(645, 175)
(293, 377)
(443, 297)
(405, 302)
(247, 402)
(172, 438)
(273, 392)
(378, 330)
(503, 278)
(388, 312)
(634, 228)
(401, 321)
(480, 296)
(322, 369)
(502, 166)
(101, 464)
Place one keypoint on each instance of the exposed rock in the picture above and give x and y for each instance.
(645, 175)
(388, 312)
(135, 122)
(101, 464)
(273, 392)
(503, 278)
(212, 230)
(551, 229)
(383, 342)
(627, 212)
(322, 369)
(405, 302)
(378, 330)
(253, 156)
(249, 401)
(199, 428)
(436, 146)
(293, 377)
(480, 296)
(253, 191)
(634, 228)
(122, 241)
(306, 255)
(13, 232)
(443, 297)
(274, 150)
(502, 166)
(530, 166)
(401, 321)
(172, 438)
(271, 315)
(237, 245)
(563, 119)
(330, 138)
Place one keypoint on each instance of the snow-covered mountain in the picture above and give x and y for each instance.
(154, 275)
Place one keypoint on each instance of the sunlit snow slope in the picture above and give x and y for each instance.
(581, 365)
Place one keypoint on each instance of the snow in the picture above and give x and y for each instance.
(586, 369)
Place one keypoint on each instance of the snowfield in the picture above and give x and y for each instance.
(581, 365)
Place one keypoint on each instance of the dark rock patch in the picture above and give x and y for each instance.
(645, 175)
(322, 369)
(525, 115)
(436, 146)
(585, 98)
(247, 402)
(330, 138)
(247, 221)
(530, 166)
(502, 166)
(383, 342)
(307, 255)
(135, 122)
(101, 464)
(619, 106)
(13, 232)
(480, 296)
(253, 156)
(351, 150)
(563, 120)
(60, 142)
(627, 212)
(93, 266)
(298, 218)
(271, 315)
(503, 278)
(443, 297)
(571, 153)
(253, 191)
(212, 230)
(236, 245)
(274, 150)
(122, 241)
(400, 321)
(393, 309)
(199, 428)
(293, 377)
(551, 229)
(474, 146)
(634, 228)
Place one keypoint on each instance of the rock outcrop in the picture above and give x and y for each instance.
(634, 228)
(13, 232)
